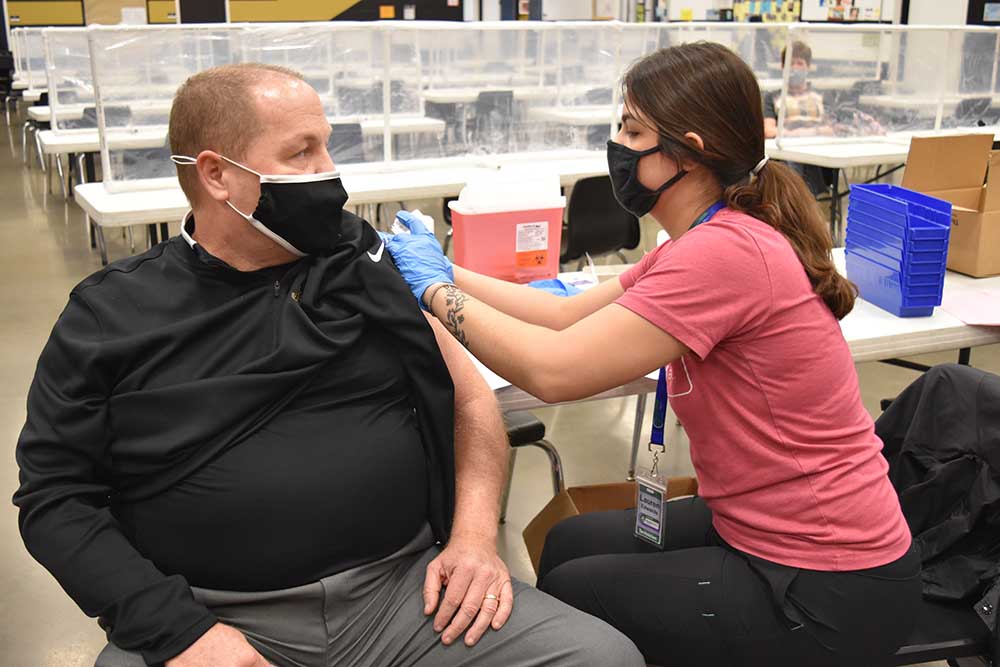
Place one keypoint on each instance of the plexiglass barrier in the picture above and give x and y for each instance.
(70, 83)
(137, 70)
(33, 57)
(17, 51)
(887, 82)
(395, 92)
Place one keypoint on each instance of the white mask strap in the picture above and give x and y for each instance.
(243, 215)
(188, 160)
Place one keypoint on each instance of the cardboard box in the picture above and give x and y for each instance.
(595, 498)
(965, 171)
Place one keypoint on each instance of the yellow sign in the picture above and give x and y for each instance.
(161, 11)
(287, 10)
(386, 11)
(687, 14)
(45, 12)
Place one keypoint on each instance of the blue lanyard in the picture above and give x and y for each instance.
(660, 406)
(707, 215)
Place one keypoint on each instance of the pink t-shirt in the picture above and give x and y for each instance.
(786, 454)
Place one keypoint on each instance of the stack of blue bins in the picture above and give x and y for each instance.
(897, 248)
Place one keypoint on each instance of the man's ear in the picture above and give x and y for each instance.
(210, 171)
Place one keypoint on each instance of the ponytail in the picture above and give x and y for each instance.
(779, 197)
(704, 87)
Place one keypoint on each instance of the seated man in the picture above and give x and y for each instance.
(247, 446)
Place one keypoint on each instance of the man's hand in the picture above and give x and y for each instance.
(471, 570)
(221, 646)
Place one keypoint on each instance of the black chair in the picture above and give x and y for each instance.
(526, 430)
(599, 96)
(950, 632)
(494, 121)
(596, 222)
(117, 115)
(6, 81)
(974, 112)
(446, 216)
(346, 144)
(455, 123)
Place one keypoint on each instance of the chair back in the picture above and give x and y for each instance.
(597, 224)
(346, 144)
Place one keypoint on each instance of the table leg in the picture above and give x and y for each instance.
(835, 205)
(151, 234)
(91, 168)
(164, 231)
(965, 356)
(640, 414)
(62, 176)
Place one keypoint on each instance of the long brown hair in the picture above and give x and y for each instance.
(707, 89)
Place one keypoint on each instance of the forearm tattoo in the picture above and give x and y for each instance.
(454, 301)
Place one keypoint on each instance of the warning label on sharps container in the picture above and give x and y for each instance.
(532, 236)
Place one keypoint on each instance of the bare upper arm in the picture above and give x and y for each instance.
(469, 384)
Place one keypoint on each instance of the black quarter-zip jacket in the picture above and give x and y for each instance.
(193, 425)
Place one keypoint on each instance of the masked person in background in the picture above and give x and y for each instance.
(796, 551)
(248, 446)
(804, 115)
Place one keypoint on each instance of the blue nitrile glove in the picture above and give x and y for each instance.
(418, 256)
(555, 286)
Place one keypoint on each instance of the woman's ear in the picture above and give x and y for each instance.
(695, 141)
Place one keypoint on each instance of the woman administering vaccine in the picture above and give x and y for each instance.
(796, 551)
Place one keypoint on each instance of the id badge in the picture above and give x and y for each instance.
(650, 508)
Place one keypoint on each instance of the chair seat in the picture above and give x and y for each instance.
(944, 630)
(523, 428)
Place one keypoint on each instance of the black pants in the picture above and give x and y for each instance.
(702, 602)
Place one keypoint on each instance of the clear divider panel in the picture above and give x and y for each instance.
(851, 83)
(758, 44)
(34, 48)
(479, 82)
(343, 63)
(137, 71)
(582, 64)
(70, 83)
(408, 131)
(970, 99)
(19, 53)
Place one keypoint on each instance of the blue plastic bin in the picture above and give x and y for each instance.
(883, 287)
(912, 262)
(897, 247)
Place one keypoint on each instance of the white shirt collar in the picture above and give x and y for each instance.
(188, 218)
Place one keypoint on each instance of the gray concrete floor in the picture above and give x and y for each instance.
(45, 253)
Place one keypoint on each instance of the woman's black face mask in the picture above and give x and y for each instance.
(623, 166)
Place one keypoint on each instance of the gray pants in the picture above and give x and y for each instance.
(372, 616)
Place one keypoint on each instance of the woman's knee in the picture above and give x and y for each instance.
(588, 535)
(561, 545)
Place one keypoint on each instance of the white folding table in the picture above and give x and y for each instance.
(838, 154)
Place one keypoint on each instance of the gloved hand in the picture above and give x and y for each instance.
(418, 257)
